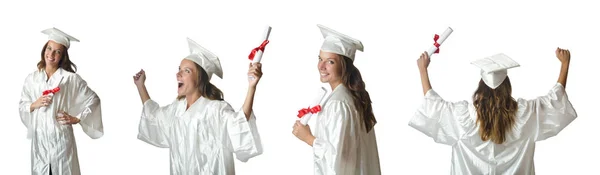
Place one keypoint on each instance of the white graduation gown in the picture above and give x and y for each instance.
(342, 146)
(454, 123)
(53, 144)
(203, 139)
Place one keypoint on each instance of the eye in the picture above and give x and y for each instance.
(331, 62)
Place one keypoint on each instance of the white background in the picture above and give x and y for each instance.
(118, 38)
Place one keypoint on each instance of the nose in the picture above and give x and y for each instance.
(321, 65)
(178, 74)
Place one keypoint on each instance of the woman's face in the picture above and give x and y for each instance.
(330, 68)
(186, 78)
(53, 53)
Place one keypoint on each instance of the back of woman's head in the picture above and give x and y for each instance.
(64, 63)
(352, 79)
(496, 111)
(205, 88)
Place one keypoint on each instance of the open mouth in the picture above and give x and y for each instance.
(179, 84)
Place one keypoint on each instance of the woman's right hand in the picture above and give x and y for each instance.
(44, 100)
(563, 55)
(139, 78)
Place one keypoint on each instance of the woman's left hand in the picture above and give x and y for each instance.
(254, 70)
(303, 133)
(423, 61)
(66, 119)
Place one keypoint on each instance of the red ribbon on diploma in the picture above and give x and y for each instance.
(261, 48)
(55, 90)
(312, 110)
(436, 44)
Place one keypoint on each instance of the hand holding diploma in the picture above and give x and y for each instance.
(41, 102)
(300, 129)
(48, 94)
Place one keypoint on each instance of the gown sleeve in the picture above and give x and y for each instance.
(85, 105)
(25, 103)
(551, 113)
(336, 140)
(152, 128)
(440, 119)
(243, 134)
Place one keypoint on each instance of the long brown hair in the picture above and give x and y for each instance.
(64, 63)
(352, 79)
(496, 110)
(205, 88)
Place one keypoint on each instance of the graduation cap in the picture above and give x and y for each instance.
(60, 37)
(206, 59)
(336, 42)
(494, 68)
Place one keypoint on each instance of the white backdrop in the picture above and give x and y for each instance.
(118, 38)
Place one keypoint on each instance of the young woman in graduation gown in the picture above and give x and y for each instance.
(53, 99)
(201, 130)
(496, 134)
(344, 140)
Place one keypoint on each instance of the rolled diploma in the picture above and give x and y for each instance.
(259, 53)
(440, 40)
(304, 120)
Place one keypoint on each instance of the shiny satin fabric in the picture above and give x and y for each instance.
(342, 145)
(454, 124)
(53, 143)
(203, 139)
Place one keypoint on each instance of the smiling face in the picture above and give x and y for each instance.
(330, 68)
(53, 54)
(187, 78)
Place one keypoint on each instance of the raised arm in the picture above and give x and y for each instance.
(552, 112)
(564, 56)
(254, 70)
(423, 63)
(442, 120)
(152, 123)
(139, 79)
